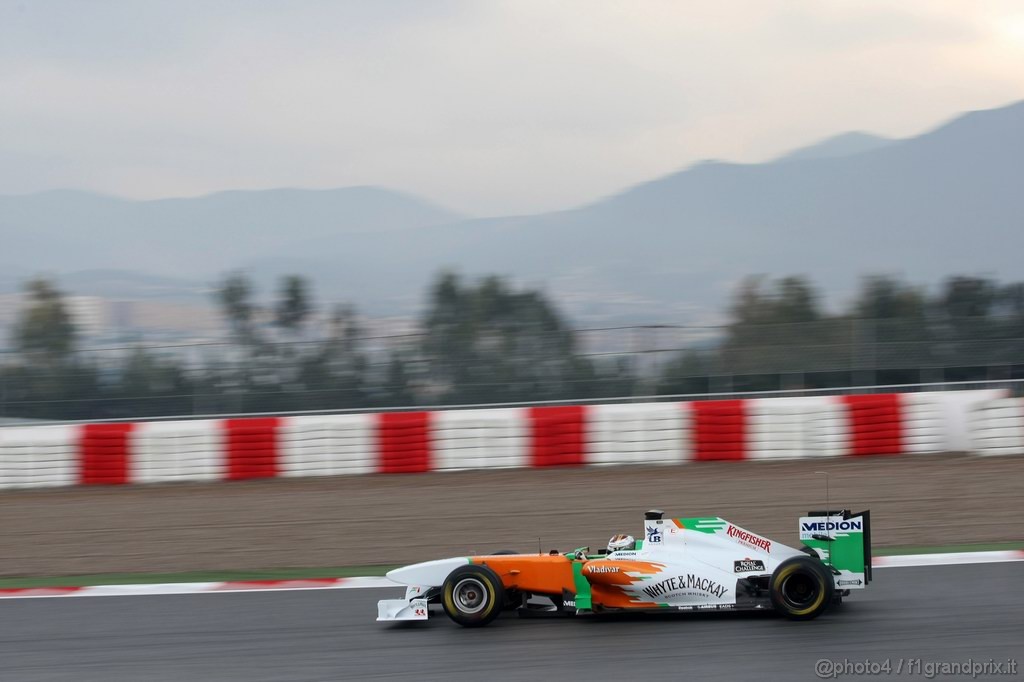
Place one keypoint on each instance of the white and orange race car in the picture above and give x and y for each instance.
(685, 564)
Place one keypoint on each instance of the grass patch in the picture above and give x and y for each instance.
(191, 576)
(979, 547)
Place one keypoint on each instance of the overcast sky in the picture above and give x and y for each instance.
(484, 107)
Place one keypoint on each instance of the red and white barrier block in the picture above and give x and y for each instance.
(539, 437)
(37, 456)
(331, 445)
(997, 427)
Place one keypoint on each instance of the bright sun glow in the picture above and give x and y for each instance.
(1012, 28)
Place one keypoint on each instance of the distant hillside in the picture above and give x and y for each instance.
(119, 284)
(64, 231)
(846, 144)
(945, 202)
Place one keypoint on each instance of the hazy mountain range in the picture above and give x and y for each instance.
(948, 201)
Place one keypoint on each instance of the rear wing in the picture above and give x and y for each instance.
(843, 541)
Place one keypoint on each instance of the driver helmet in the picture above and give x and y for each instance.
(620, 542)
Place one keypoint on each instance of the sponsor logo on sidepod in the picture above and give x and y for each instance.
(602, 568)
(747, 565)
(685, 582)
(749, 538)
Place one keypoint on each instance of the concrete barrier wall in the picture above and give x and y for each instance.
(551, 436)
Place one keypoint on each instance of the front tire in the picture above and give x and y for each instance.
(473, 596)
(801, 588)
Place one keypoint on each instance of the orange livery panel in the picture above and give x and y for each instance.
(538, 573)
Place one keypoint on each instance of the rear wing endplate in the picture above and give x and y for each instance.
(843, 541)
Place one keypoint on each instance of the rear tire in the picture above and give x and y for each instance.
(473, 596)
(801, 588)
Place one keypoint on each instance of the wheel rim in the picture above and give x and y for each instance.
(799, 590)
(470, 595)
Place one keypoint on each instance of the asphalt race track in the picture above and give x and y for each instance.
(936, 614)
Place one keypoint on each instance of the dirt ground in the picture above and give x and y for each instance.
(384, 519)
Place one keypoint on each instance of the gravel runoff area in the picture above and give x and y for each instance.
(933, 500)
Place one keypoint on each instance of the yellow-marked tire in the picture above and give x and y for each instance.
(472, 595)
(801, 588)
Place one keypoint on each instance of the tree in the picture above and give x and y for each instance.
(750, 304)
(758, 303)
(1010, 300)
(795, 301)
(968, 297)
(687, 373)
(775, 327)
(293, 304)
(335, 375)
(51, 382)
(487, 343)
(149, 385)
(234, 296)
(44, 330)
(966, 308)
(397, 389)
(884, 298)
(250, 364)
(890, 330)
(291, 310)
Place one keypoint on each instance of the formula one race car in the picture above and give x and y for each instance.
(681, 564)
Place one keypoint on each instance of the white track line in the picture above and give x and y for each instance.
(901, 561)
(948, 559)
